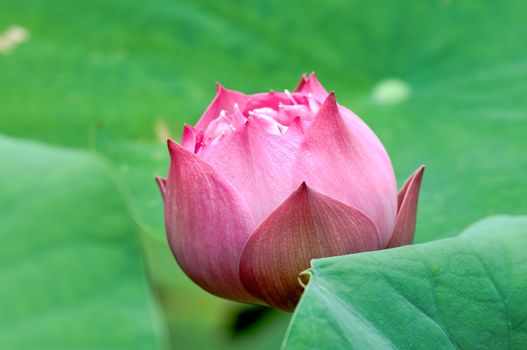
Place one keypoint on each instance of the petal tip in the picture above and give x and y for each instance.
(416, 178)
(172, 146)
(329, 106)
(301, 83)
(404, 230)
(162, 184)
(174, 149)
(302, 191)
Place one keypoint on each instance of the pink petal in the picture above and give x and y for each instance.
(189, 138)
(258, 164)
(274, 99)
(296, 130)
(224, 100)
(162, 184)
(301, 83)
(403, 233)
(207, 224)
(308, 225)
(342, 158)
(238, 119)
(311, 85)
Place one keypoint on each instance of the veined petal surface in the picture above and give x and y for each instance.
(308, 225)
(207, 223)
(258, 164)
(342, 158)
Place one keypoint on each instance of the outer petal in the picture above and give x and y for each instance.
(306, 226)
(258, 165)
(404, 230)
(345, 160)
(224, 99)
(162, 184)
(207, 224)
(311, 85)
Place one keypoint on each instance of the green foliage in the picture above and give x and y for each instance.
(70, 267)
(459, 293)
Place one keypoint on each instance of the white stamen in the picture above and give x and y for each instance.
(290, 96)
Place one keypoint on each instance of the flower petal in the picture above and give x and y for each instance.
(258, 164)
(189, 138)
(207, 224)
(296, 130)
(308, 225)
(404, 230)
(162, 184)
(343, 159)
(224, 100)
(311, 85)
(274, 99)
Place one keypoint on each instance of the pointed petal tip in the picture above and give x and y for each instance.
(188, 139)
(302, 191)
(329, 106)
(161, 183)
(301, 83)
(310, 84)
(331, 97)
(418, 175)
(188, 129)
(420, 170)
(172, 146)
(175, 149)
(404, 231)
(220, 89)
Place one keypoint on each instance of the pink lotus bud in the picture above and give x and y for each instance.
(266, 182)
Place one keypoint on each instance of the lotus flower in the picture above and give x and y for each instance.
(266, 182)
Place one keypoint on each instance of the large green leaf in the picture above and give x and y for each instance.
(466, 292)
(71, 274)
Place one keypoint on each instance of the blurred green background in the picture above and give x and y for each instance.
(88, 98)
